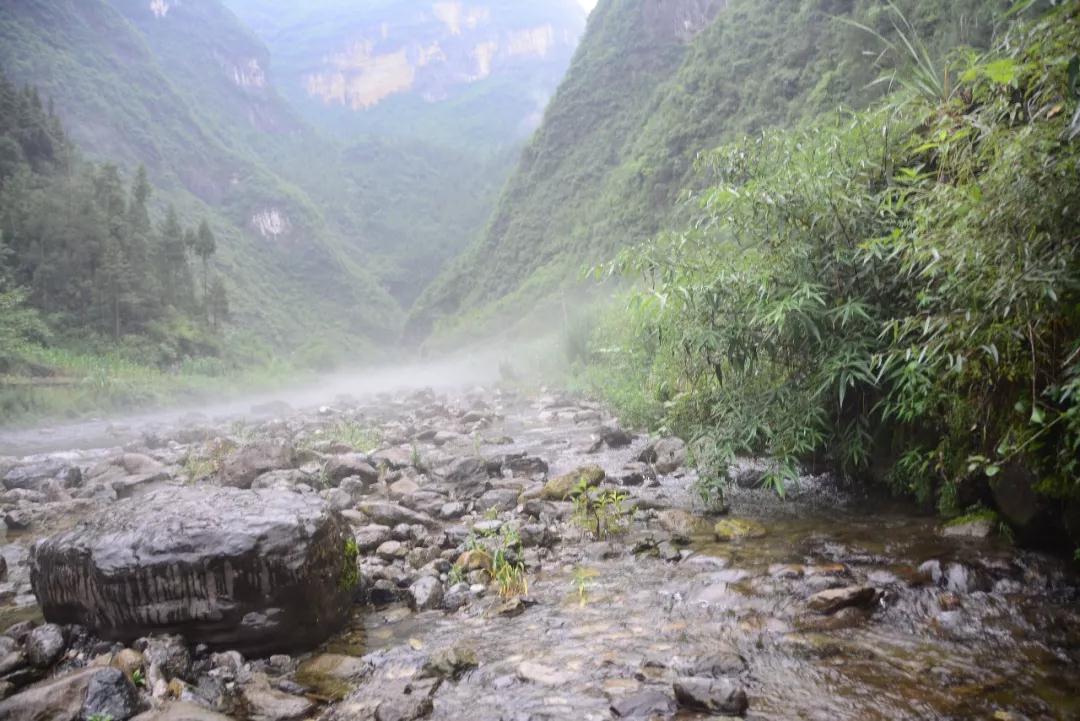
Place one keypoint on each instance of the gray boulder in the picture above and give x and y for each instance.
(348, 465)
(257, 571)
(244, 465)
(666, 455)
(31, 476)
(110, 695)
(714, 695)
(68, 697)
(44, 645)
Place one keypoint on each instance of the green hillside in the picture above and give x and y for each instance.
(163, 91)
(652, 86)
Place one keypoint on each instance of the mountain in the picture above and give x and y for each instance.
(181, 88)
(463, 73)
(653, 84)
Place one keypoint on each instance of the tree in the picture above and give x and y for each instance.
(204, 246)
(172, 262)
(218, 303)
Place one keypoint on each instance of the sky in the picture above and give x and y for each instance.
(587, 4)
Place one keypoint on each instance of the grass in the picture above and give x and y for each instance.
(78, 384)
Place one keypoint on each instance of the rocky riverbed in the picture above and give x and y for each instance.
(421, 556)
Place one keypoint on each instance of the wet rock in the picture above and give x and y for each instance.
(58, 699)
(258, 571)
(31, 476)
(110, 694)
(738, 529)
(977, 528)
(393, 701)
(562, 487)
(391, 550)
(456, 596)
(723, 663)
(44, 645)
(241, 467)
(450, 663)
(349, 465)
(612, 437)
(452, 510)
(715, 695)
(168, 654)
(644, 705)
(331, 675)
(541, 674)
(264, 703)
(12, 656)
(681, 524)
(748, 472)
(370, 537)
(849, 617)
(288, 478)
(832, 600)
(391, 514)
(181, 711)
(403, 488)
(668, 551)
(636, 474)
(666, 455)
(425, 594)
(19, 519)
(501, 499)
(526, 466)
(394, 458)
(128, 660)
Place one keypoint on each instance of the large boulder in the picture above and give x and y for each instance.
(257, 571)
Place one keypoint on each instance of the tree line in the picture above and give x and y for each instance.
(79, 246)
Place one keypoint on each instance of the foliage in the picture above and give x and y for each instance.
(350, 573)
(600, 514)
(580, 580)
(502, 553)
(892, 291)
(645, 94)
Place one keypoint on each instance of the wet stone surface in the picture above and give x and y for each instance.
(818, 606)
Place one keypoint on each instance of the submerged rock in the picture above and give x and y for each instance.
(738, 529)
(258, 571)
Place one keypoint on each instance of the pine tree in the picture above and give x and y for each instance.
(205, 245)
(172, 263)
(218, 303)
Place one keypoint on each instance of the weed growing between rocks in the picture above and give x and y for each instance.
(601, 515)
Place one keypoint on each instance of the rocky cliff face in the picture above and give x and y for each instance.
(479, 70)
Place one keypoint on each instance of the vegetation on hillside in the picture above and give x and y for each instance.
(639, 103)
(894, 293)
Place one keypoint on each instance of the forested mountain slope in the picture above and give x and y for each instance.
(652, 85)
(183, 91)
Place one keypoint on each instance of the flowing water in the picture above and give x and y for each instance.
(959, 629)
